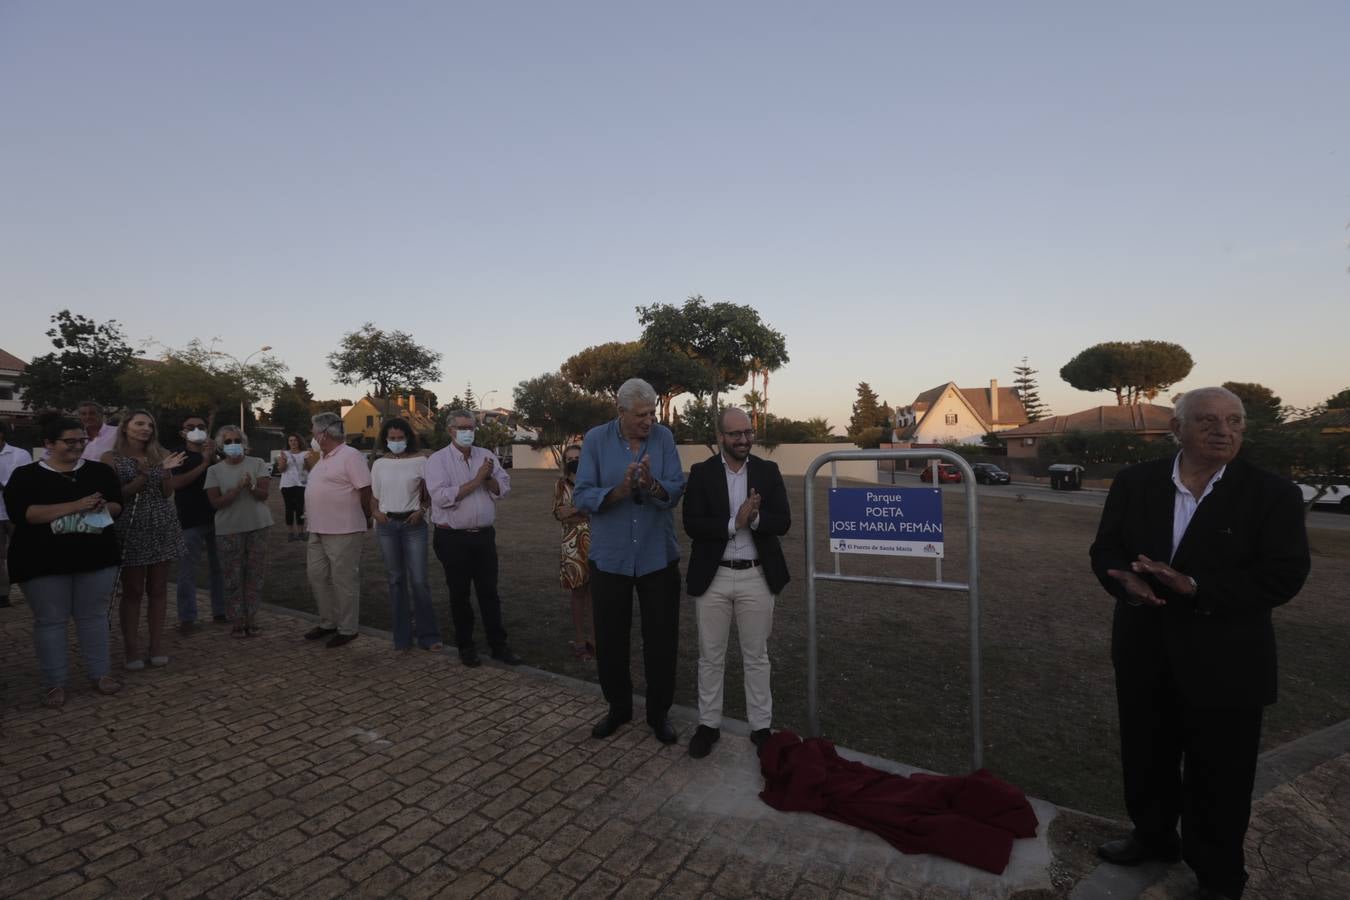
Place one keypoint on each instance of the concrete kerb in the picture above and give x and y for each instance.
(728, 785)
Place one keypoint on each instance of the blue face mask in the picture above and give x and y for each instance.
(233, 449)
(396, 447)
(464, 437)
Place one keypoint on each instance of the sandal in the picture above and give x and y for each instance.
(582, 652)
(107, 685)
(55, 698)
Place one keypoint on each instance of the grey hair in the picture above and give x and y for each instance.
(634, 391)
(231, 429)
(1183, 406)
(330, 424)
(462, 414)
(722, 417)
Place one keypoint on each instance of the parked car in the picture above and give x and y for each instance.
(1337, 494)
(988, 473)
(947, 474)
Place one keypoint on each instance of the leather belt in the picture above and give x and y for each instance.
(401, 516)
(739, 563)
(464, 530)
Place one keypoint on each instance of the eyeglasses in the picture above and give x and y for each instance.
(748, 435)
(73, 442)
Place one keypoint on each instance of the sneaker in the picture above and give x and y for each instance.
(134, 665)
(159, 662)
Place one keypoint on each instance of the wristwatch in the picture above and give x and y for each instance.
(1195, 588)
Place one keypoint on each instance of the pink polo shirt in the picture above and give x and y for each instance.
(333, 492)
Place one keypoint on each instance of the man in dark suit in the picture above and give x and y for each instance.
(735, 509)
(1197, 550)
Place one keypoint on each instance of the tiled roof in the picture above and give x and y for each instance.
(1144, 418)
(1010, 409)
(11, 362)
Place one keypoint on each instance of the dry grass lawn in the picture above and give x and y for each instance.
(893, 662)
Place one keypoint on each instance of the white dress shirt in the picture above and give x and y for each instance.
(740, 543)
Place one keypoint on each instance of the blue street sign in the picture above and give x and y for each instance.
(886, 521)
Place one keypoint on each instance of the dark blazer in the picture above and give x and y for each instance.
(1247, 550)
(707, 509)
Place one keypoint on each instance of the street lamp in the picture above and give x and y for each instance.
(263, 349)
(483, 399)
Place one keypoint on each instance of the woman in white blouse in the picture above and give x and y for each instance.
(396, 480)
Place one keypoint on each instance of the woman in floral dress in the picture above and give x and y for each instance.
(575, 574)
(148, 531)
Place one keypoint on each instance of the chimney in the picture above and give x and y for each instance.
(993, 400)
(412, 404)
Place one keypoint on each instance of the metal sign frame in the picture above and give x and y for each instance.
(971, 585)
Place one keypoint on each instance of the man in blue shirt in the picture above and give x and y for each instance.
(629, 481)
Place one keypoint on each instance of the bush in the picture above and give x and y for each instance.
(1090, 448)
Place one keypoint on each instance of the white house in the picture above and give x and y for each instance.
(951, 414)
(11, 398)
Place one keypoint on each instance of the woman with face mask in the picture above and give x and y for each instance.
(237, 487)
(293, 464)
(576, 545)
(398, 485)
(148, 532)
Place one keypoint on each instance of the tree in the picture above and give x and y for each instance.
(1029, 391)
(867, 412)
(390, 361)
(1339, 400)
(90, 360)
(1263, 408)
(559, 411)
(199, 380)
(292, 407)
(603, 368)
(1134, 371)
(697, 423)
(727, 339)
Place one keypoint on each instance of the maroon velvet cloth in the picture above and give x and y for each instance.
(972, 819)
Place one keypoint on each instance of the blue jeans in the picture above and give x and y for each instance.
(194, 538)
(404, 548)
(54, 599)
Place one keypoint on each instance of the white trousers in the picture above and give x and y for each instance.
(741, 594)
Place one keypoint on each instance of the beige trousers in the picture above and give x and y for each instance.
(334, 566)
(739, 594)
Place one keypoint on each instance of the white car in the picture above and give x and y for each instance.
(1337, 494)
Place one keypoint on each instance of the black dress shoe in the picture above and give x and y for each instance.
(316, 632)
(340, 640)
(1129, 852)
(665, 732)
(700, 745)
(504, 654)
(469, 656)
(759, 737)
(610, 723)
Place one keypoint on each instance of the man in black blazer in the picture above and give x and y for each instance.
(735, 509)
(1197, 549)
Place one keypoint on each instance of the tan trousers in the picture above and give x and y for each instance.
(743, 595)
(334, 565)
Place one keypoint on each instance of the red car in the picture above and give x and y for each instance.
(947, 474)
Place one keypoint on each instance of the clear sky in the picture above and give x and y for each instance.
(911, 195)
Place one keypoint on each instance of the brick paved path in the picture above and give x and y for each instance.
(278, 768)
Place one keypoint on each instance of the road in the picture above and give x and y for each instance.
(1040, 493)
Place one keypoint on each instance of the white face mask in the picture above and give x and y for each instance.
(314, 442)
(196, 436)
(464, 437)
(397, 447)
